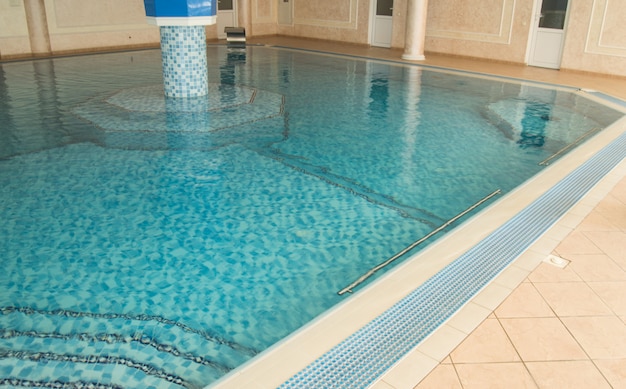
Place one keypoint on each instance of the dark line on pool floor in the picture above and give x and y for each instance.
(147, 369)
(115, 338)
(324, 174)
(22, 383)
(74, 314)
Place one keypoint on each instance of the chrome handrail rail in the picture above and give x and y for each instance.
(380, 266)
(569, 146)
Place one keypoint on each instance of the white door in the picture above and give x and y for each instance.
(226, 16)
(549, 34)
(285, 12)
(382, 23)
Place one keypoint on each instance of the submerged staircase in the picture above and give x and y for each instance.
(71, 349)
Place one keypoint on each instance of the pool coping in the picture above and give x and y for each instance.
(307, 355)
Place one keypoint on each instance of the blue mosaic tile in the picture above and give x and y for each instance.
(183, 50)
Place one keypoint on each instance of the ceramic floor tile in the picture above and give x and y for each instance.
(577, 243)
(542, 339)
(441, 343)
(409, 370)
(612, 243)
(614, 370)
(443, 376)
(597, 267)
(525, 301)
(550, 273)
(613, 294)
(619, 192)
(381, 385)
(488, 343)
(492, 296)
(613, 210)
(469, 317)
(567, 374)
(595, 221)
(572, 299)
(495, 375)
(602, 337)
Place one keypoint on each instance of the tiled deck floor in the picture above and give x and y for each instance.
(561, 327)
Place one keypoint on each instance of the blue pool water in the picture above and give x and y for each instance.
(162, 243)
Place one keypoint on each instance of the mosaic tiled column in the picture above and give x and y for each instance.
(183, 43)
(183, 52)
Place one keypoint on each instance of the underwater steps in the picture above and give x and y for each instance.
(350, 185)
(60, 349)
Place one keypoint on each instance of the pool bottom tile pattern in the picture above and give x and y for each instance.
(359, 360)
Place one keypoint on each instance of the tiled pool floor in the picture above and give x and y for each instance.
(537, 325)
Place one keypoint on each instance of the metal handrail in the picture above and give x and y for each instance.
(569, 146)
(376, 268)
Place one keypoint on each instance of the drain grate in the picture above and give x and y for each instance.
(556, 261)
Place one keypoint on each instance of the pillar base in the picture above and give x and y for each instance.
(411, 57)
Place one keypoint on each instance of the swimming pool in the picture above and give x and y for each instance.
(124, 268)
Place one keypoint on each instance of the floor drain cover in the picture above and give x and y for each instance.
(556, 261)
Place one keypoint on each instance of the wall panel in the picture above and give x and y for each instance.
(13, 29)
(326, 13)
(473, 20)
(607, 30)
(78, 25)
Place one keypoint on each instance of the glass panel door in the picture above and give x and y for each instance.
(553, 14)
(225, 5)
(548, 34)
(384, 7)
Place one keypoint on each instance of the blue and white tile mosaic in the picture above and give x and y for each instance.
(183, 51)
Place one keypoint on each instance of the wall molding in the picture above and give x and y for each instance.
(596, 43)
(351, 23)
(55, 28)
(503, 35)
(258, 18)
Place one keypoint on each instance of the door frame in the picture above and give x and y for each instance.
(221, 34)
(285, 12)
(370, 33)
(535, 30)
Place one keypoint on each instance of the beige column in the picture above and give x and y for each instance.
(244, 14)
(37, 27)
(415, 30)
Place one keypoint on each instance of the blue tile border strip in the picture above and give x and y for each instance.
(606, 97)
(364, 356)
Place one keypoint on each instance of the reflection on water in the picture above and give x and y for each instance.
(536, 118)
